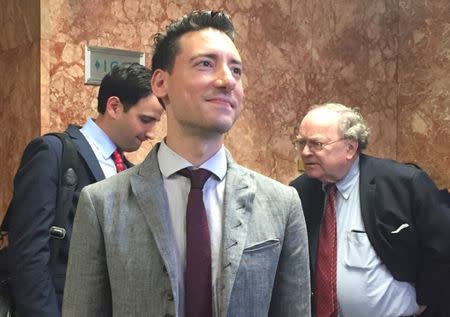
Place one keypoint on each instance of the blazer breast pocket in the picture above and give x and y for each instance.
(255, 277)
(261, 256)
(259, 246)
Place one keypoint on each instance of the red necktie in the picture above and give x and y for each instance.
(118, 161)
(197, 278)
(325, 295)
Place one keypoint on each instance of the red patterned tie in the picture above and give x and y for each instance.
(325, 295)
(118, 161)
(197, 278)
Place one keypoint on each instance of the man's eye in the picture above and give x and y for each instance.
(206, 64)
(316, 144)
(237, 70)
(147, 120)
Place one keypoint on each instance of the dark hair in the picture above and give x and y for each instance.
(166, 45)
(128, 82)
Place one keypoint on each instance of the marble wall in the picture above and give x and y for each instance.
(424, 87)
(388, 57)
(300, 53)
(19, 88)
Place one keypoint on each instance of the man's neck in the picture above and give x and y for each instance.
(194, 149)
(100, 121)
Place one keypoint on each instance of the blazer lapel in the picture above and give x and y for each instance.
(367, 188)
(238, 204)
(148, 188)
(86, 152)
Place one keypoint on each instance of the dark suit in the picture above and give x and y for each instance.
(392, 194)
(38, 279)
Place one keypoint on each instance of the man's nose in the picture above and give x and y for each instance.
(225, 78)
(306, 151)
(150, 133)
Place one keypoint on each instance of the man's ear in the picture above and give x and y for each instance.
(113, 106)
(352, 148)
(159, 83)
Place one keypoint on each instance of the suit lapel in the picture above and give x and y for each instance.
(148, 188)
(238, 204)
(313, 202)
(367, 188)
(86, 152)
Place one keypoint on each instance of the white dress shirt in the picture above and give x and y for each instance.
(101, 145)
(365, 287)
(177, 188)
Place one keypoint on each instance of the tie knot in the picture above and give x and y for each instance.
(330, 188)
(117, 155)
(118, 160)
(198, 177)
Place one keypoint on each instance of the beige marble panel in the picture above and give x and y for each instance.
(19, 22)
(19, 114)
(424, 126)
(19, 89)
(424, 76)
(357, 40)
(424, 40)
(273, 37)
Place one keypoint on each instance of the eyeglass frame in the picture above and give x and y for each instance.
(313, 145)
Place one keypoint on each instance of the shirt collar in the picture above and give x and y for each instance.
(345, 185)
(170, 162)
(101, 140)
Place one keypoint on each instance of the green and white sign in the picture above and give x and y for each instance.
(100, 60)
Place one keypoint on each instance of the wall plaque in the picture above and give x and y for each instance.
(100, 60)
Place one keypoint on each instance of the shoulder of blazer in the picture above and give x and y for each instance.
(312, 197)
(372, 168)
(309, 189)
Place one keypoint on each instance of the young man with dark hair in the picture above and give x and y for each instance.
(189, 232)
(128, 112)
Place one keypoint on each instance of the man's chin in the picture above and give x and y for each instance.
(133, 147)
(226, 124)
(221, 127)
(312, 172)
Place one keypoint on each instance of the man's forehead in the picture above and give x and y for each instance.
(322, 116)
(206, 41)
(319, 120)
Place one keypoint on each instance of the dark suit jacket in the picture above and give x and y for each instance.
(38, 284)
(392, 194)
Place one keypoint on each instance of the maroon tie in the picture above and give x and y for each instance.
(118, 161)
(197, 278)
(325, 295)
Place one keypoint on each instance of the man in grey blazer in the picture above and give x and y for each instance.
(128, 248)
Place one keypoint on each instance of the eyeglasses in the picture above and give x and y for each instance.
(313, 145)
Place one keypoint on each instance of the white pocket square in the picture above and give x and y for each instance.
(403, 226)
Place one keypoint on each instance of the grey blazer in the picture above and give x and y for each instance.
(122, 254)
